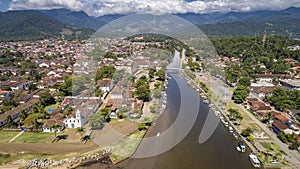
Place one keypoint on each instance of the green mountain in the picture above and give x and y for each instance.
(33, 25)
(79, 18)
(288, 27)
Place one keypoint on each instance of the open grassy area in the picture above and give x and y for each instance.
(127, 147)
(7, 135)
(271, 147)
(35, 137)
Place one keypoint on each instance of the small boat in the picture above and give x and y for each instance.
(241, 147)
(217, 113)
(158, 134)
(230, 129)
(236, 136)
(205, 101)
(225, 122)
(210, 105)
(254, 160)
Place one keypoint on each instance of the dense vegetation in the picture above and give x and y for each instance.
(33, 25)
(246, 28)
(282, 98)
(255, 56)
(142, 89)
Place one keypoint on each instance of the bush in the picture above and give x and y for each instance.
(141, 127)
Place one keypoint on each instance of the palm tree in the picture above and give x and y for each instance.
(269, 116)
(80, 130)
(9, 120)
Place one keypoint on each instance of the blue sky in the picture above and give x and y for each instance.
(103, 7)
(4, 4)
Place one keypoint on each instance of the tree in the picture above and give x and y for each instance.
(152, 71)
(105, 72)
(240, 94)
(34, 120)
(267, 117)
(152, 109)
(80, 130)
(143, 92)
(161, 75)
(247, 132)
(68, 110)
(32, 87)
(96, 120)
(251, 139)
(46, 99)
(142, 89)
(10, 121)
(244, 81)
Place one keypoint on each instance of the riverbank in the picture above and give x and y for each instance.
(223, 103)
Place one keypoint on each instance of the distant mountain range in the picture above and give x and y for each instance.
(31, 24)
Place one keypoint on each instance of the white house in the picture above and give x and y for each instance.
(74, 120)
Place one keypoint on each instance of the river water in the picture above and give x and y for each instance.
(218, 152)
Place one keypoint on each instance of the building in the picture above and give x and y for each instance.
(291, 84)
(271, 77)
(278, 127)
(105, 85)
(262, 91)
(82, 113)
(57, 120)
(19, 85)
(15, 113)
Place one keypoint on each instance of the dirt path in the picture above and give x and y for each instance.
(56, 148)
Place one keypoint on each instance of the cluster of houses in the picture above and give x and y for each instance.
(84, 108)
(55, 59)
(52, 60)
(280, 121)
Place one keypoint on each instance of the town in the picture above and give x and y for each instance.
(70, 87)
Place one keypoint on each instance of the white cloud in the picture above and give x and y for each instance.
(102, 7)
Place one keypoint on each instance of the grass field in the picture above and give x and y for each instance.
(271, 147)
(7, 135)
(35, 137)
(127, 147)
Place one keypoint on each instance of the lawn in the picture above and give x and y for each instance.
(7, 135)
(273, 152)
(127, 147)
(271, 147)
(35, 137)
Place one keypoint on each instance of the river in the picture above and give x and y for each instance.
(218, 152)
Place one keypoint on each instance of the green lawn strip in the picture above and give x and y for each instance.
(127, 147)
(271, 147)
(7, 135)
(35, 137)
(272, 152)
